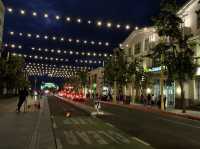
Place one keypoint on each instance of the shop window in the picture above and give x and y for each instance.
(137, 48)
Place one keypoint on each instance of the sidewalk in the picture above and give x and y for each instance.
(30, 130)
(194, 115)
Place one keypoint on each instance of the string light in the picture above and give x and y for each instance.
(45, 37)
(78, 20)
(68, 19)
(34, 14)
(128, 27)
(36, 57)
(57, 17)
(59, 51)
(89, 22)
(20, 34)
(11, 33)
(99, 23)
(118, 25)
(13, 46)
(22, 12)
(46, 15)
(109, 25)
(20, 47)
(29, 35)
(10, 10)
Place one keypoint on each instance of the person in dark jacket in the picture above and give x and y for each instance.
(22, 97)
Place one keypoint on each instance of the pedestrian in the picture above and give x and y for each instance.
(153, 101)
(149, 99)
(22, 97)
(142, 98)
(159, 101)
(165, 99)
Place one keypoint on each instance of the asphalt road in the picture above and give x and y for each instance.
(162, 132)
(81, 131)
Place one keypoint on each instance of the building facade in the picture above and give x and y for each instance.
(137, 45)
(96, 80)
(2, 13)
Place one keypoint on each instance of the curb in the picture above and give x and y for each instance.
(164, 113)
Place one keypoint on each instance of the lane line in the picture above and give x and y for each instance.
(141, 141)
(180, 123)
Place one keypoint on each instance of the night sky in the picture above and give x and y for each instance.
(133, 12)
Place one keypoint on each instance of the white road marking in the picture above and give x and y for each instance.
(109, 136)
(97, 137)
(71, 138)
(84, 136)
(141, 141)
(109, 124)
(119, 137)
(180, 123)
(59, 144)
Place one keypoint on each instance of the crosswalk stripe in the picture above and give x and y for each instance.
(141, 141)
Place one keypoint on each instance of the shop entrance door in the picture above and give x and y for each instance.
(170, 96)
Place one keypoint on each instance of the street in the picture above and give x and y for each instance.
(86, 132)
(161, 132)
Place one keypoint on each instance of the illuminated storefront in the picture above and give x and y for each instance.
(169, 89)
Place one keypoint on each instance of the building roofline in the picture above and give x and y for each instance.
(135, 32)
(185, 6)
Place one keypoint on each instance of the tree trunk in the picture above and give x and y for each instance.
(137, 96)
(183, 102)
(115, 92)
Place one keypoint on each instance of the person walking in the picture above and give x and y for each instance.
(149, 99)
(22, 97)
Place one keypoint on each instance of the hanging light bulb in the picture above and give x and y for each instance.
(34, 14)
(99, 23)
(22, 12)
(10, 10)
(46, 15)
